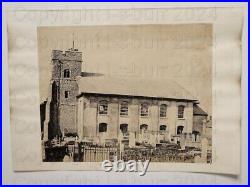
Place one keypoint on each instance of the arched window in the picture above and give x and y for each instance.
(144, 109)
(66, 73)
(180, 129)
(181, 111)
(103, 127)
(163, 127)
(143, 127)
(124, 128)
(124, 108)
(103, 107)
(163, 111)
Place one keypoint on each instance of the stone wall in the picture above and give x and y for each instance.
(67, 118)
(67, 110)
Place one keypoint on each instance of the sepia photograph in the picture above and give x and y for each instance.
(125, 93)
(134, 92)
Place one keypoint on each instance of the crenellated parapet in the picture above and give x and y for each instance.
(69, 55)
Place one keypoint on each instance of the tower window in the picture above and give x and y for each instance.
(144, 109)
(103, 107)
(124, 109)
(181, 111)
(66, 94)
(66, 73)
(103, 127)
(163, 111)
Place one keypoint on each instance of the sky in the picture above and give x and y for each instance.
(179, 52)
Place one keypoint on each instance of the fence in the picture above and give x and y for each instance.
(99, 154)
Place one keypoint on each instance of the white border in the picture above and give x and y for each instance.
(93, 177)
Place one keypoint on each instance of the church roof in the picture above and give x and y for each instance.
(198, 111)
(144, 87)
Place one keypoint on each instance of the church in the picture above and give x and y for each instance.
(101, 108)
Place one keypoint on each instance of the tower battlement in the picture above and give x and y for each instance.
(68, 55)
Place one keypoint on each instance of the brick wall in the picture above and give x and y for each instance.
(92, 119)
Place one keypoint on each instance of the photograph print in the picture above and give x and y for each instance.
(126, 92)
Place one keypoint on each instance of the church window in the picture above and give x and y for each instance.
(66, 73)
(66, 94)
(163, 111)
(124, 128)
(144, 109)
(163, 127)
(144, 127)
(181, 111)
(103, 127)
(180, 129)
(196, 134)
(103, 107)
(124, 109)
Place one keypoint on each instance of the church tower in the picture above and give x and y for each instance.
(64, 89)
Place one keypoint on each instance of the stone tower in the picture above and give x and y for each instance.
(64, 89)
